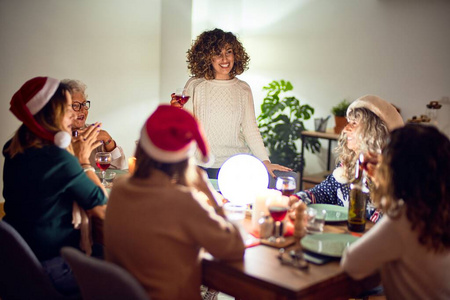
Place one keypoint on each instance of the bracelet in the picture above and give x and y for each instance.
(86, 164)
(108, 142)
(89, 169)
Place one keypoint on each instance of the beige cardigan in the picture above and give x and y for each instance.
(156, 229)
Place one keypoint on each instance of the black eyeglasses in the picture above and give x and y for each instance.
(76, 106)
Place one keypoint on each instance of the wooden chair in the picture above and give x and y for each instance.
(21, 274)
(99, 279)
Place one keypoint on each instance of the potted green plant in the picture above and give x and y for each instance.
(281, 125)
(340, 112)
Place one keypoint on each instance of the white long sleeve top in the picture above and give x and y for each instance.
(408, 270)
(226, 111)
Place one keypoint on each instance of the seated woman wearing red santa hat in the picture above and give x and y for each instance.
(46, 180)
(156, 224)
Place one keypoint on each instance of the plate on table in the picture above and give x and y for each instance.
(329, 244)
(335, 213)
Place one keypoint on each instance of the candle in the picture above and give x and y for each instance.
(260, 207)
(131, 164)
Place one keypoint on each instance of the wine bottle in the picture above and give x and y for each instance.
(359, 194)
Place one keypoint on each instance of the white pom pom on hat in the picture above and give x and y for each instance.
(383, 109)
(29, 100)
(170, 135)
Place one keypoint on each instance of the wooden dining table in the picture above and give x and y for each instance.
(261, 276)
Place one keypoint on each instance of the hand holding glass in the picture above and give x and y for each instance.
(103, 161)
(181, 96)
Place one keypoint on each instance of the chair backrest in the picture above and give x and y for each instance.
(99, 279)
(21, 274)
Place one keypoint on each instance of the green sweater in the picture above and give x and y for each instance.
(40, 186)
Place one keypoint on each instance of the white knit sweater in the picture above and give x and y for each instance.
(226, 111)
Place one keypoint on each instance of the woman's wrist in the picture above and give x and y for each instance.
(109, 144)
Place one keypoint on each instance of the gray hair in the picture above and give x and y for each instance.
(75, 86)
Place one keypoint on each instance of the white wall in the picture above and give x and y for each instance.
(113, 46)
(336, 49)
(131, 53)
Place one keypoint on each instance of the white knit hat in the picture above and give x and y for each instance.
(169, 135)
(383, 109)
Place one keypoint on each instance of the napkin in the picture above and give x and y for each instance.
(80, 220)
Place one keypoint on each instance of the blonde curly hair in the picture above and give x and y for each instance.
(372, 134)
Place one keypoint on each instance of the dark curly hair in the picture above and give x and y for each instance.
(211, 43)
(415, 170)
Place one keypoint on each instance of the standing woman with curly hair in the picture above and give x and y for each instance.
(410, 246)
(223, 103)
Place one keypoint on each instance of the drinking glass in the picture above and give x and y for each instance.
(278, 207)
(286, 185)
(235, 213)
(182, 96)
(103, 161)
(315, 220)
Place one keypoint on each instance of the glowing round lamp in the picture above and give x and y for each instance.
(241, 177)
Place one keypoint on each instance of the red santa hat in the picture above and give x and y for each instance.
(29, 100)
(383, 109)
(170, 134)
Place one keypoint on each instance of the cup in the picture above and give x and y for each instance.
(320, 125)
(315, 220)
(235, 213)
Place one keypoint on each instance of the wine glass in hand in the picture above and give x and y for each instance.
(278, 207)
(286, 185)
(103, 161)
(181, 96)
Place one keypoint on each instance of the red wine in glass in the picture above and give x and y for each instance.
(181, 96)
(182, 99)
(286, 185)
(103, 166)
(278, 213)
(287, 192)
(103, 161)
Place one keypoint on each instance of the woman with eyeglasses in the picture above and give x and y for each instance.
(81, 107)
(48, 183)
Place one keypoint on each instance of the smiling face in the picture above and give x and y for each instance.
(80, 116)
(351, 130)
(223, 63)
(69, 115)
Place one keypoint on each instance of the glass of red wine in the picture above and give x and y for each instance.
(286, 185)
(278, 208)
(103, 161)
(182, 96)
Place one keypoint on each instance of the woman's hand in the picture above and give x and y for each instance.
(372, 161)
(201, 183)
(86, 142)
(174, 102)
(272, 167)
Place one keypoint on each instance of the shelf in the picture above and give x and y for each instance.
(312, 180)
(309, 181)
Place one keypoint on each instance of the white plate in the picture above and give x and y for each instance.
(335, 213)
(329, 244)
